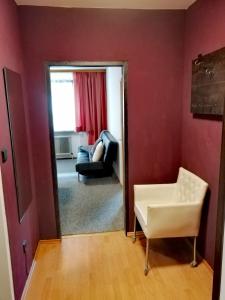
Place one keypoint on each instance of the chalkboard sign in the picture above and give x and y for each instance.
(208, 83)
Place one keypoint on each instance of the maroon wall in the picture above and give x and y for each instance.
(152, 43)
(11, 57)
(201, 137)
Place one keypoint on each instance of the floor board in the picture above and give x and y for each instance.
(109, 266)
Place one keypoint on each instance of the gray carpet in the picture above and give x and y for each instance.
(66, 166)
(93, 205)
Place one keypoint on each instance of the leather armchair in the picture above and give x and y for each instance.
(170, 210)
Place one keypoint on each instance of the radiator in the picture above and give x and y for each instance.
(63, 147)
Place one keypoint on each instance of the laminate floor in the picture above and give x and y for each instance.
(109, 266)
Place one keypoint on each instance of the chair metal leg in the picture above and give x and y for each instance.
(194, 262)
(135, 221)
(78, 177)
(146, 258)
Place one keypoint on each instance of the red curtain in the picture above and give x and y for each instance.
(90, 103)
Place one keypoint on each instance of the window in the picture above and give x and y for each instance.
(63, 104)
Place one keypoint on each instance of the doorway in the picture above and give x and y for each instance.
(87, 204)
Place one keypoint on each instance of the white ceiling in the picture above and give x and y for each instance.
(129, 4)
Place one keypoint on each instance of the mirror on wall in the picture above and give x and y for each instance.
(19, 143)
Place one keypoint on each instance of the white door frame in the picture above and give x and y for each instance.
(6, 281)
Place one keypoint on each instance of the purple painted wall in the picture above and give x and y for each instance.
(152, 43)
(201, 138)
(11, 57)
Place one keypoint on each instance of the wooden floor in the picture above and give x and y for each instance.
(109, 266)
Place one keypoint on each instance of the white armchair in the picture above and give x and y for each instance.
(170, 210)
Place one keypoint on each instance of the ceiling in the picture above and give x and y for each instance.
(129, 4)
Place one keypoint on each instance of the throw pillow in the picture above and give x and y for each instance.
(94, 147)
(99, 150)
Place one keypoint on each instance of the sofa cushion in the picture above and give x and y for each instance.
(89, 168)
(93, 147)
(98, 153)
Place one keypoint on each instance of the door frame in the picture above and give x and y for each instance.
(124, 65)
(220, 221)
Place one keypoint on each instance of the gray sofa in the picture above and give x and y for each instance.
(86, 167)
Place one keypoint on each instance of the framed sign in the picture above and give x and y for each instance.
(208, 83)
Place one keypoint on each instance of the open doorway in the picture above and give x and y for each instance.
(89, 190)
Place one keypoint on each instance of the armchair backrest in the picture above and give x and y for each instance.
(190, 187)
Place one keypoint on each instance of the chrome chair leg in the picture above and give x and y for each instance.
(146, 257)
(134, 236)
(194, 262)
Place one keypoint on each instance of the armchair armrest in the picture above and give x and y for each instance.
(155, 192)
(174, 219)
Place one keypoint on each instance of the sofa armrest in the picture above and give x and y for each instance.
(85, 149)
(155, 192)
(174, 219)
